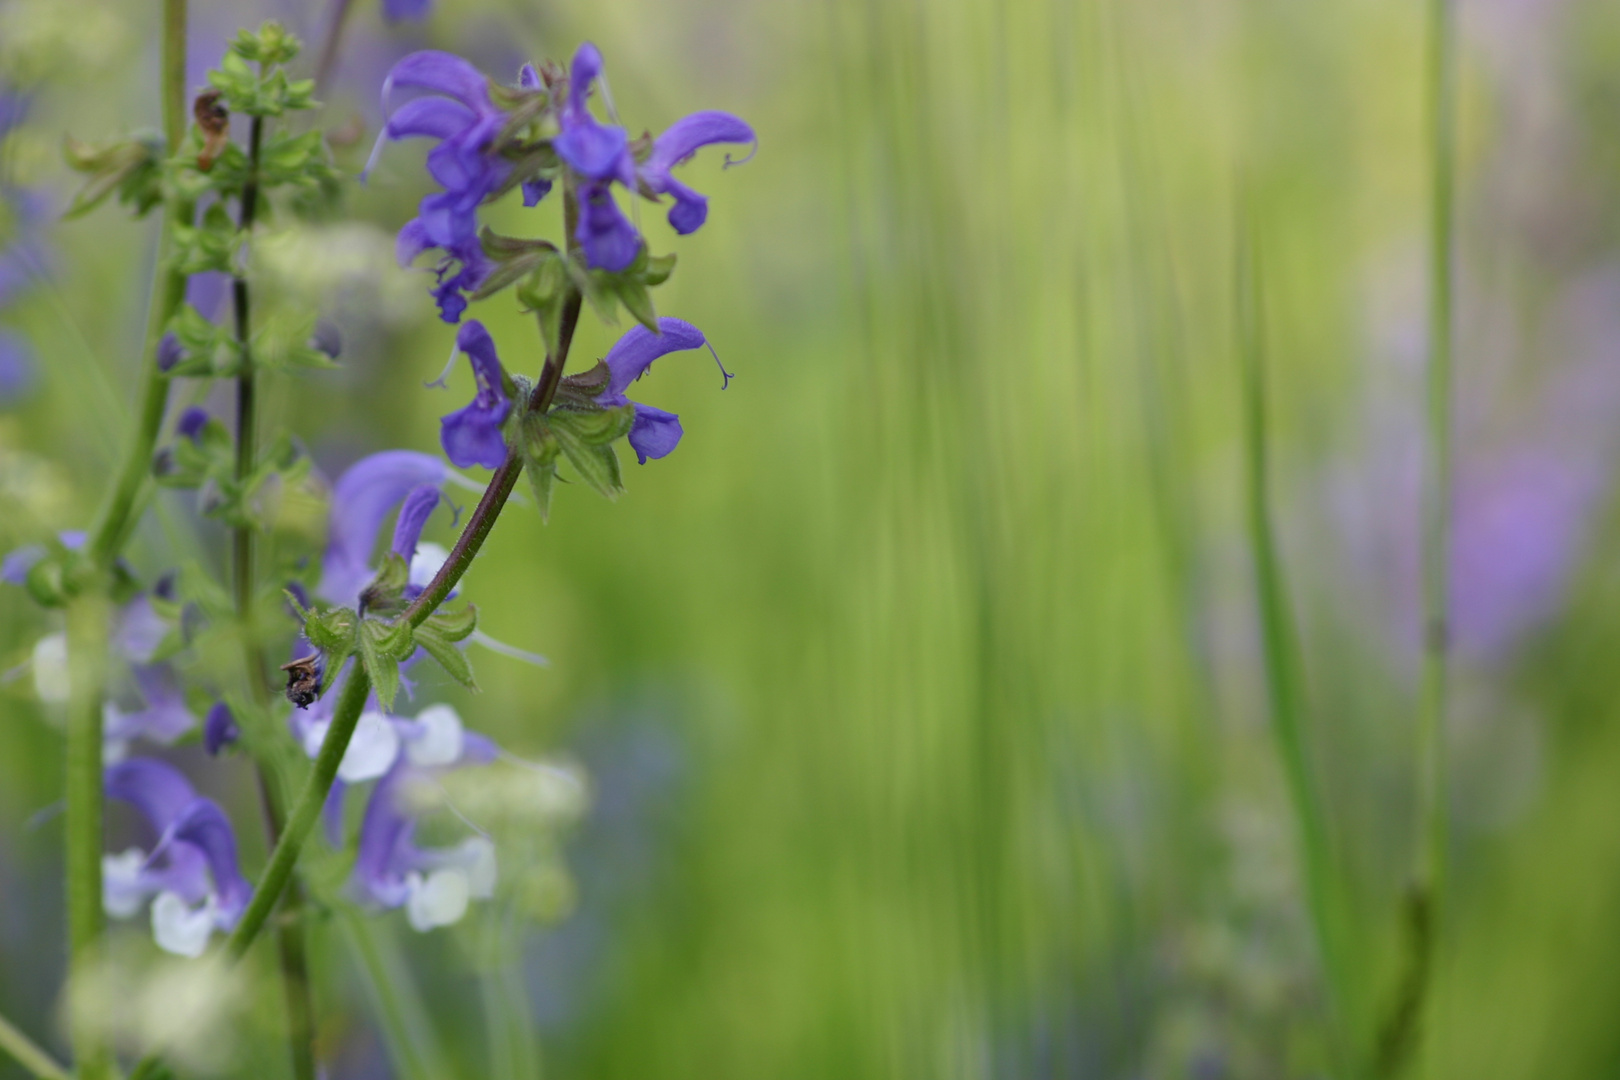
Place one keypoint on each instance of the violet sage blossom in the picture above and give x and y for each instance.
(191, 872)
(461, 116)
(655, 432)
(434, 885)
(472, 436)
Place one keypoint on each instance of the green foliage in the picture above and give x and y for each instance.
(437, 636)
(131, 167)
(631, 287)
(382, 645)
(267, 90)
(211, 245)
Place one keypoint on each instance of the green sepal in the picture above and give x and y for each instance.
(382, 646)
(386, 593)
(539, 449)
(453, 625)
(452, 659)
(587, 438)
(332, 631)
(546, 294)
(271, 43)
(132, 167)
(294, 159)
(209, 246)
(187, 463)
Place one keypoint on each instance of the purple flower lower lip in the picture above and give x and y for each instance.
(655, 432)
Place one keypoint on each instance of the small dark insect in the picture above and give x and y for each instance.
(303, 681)
(214, 121)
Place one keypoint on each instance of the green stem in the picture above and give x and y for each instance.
(1280, 640)
(88, 620)
(29, 1054)
(1437, 495)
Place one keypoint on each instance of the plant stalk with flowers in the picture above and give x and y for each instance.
(351, 626)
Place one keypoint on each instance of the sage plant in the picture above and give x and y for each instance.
(343, 619)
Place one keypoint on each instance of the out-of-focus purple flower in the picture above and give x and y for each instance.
(169, 352)
(206, 292)
(13, 107)
(14, 568)
(162, 718)
(362, 499)
(16, 367)
(219, 729)
(139, 631)
(678, 143)
(191, 870)
(27, 254)
(411, 10)
(655, 432)
(434, 885)
(191, 423)
(459, 114)
(472, 435)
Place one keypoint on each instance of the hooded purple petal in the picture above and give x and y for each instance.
(413, 515)
(472, 436)
(634, 353)
(204, 825)
(441, 73)
(157, 789)
(591, 149)
(361, 502)
(433, 117)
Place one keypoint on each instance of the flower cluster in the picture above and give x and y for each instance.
(491, 139)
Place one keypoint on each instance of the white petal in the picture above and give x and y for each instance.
(372, 750)
(314, 736)
(51, 668)
(121, 892)
(180, 929)
(439, 741)
(476, 855)
(439, 900)
(426, 562)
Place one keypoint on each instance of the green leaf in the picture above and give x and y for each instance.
(507, 273)
(332, 630)
(539, 448)
(453, 625)
(591, 454)
(452, 659)
(637, 300)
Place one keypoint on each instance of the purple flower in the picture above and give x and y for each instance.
(219, 729)
(191, 870)
(472, 436)
(16, 367)
(609, 240)
(461, 116)
(593, 150)
(434, 885)
(655, 432)
(361, 501)
(412, 10)
(191, 423)
(678, 143)
(162, 717)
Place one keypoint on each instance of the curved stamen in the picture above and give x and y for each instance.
(726, 375)
(730, 161)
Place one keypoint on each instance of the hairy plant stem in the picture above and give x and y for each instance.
(89, 614)
(291, 947)
(1285, 684)
(25, 1052)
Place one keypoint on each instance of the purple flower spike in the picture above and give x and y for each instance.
(655, 432)
(219, 729)
(609, 240)
(192, 870)
(683, 139)
(361, 501)
(472, 436)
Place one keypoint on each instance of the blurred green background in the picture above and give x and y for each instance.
(921, 690)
